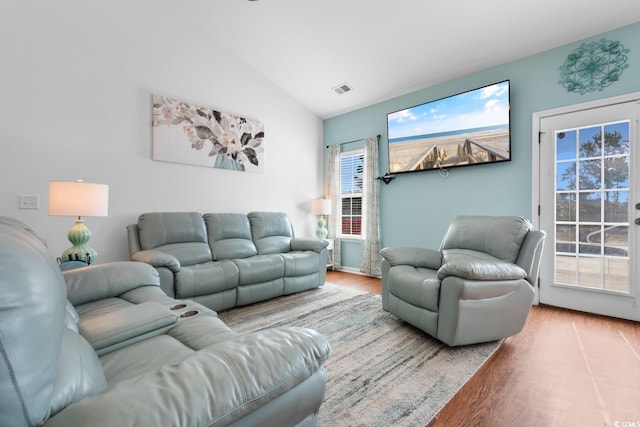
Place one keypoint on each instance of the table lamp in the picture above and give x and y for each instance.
(321, 207)
(78, 198)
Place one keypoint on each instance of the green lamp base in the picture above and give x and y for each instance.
(79, 236)
(322, 231)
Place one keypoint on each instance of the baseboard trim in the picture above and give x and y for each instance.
(352, 270)
(349, 270)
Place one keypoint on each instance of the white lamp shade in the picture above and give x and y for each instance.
(321, 206)
(77, 198)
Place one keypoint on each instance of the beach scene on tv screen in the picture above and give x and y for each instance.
(464, 129)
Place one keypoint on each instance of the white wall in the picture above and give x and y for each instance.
(75, 85)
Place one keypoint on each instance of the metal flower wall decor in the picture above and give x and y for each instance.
(195, 135)
(593, 66)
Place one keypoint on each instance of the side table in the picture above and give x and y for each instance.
(330, 263)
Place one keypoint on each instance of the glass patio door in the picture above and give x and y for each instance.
(589, 205)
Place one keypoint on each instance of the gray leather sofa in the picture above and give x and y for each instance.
(477, 287)
(223, 260)
(104, 346)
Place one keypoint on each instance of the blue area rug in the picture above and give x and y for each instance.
(381, 372)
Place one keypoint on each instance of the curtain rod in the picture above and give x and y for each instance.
(355, 140)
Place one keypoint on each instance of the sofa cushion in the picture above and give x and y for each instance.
(260, 268)
(215, 385)
(79, 372)
(181, 234)
(300, 263)
(271, 232)
(229, 235)
(207, 278)
(499, 236)
(187, 336)
(475, 265)
(161, 228)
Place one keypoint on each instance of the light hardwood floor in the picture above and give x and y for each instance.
(566, 368)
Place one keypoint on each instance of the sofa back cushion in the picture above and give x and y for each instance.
(181, 234)
(500, 236)
(44, 364)
(271, 232)
(229, 236)
(80, 373)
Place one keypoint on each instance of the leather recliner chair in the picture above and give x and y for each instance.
(478, 287)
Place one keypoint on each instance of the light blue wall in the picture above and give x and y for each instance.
(417, 207)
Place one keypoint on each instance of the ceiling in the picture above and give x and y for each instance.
(387, 48)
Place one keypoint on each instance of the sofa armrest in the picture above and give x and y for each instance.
(133, 238)
(306, 244)
(126, 324)
(417, 257)
(101, 281)
(481, 270)
(157, 259)
(530, 254)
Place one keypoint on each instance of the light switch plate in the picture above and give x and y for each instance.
(29, 201)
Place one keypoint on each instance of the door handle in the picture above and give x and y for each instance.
(637, 221)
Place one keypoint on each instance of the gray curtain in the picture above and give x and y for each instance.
(371, 259)
(332, 192)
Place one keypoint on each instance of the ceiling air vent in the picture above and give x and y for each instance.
(342, 88)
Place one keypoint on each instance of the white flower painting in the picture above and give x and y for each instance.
(195, 135)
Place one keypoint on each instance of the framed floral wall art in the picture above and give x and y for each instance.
(195, 135)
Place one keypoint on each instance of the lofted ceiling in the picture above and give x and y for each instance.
(387, 48)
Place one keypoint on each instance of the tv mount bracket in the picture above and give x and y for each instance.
(387, 178)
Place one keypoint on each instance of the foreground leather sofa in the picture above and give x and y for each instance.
(104, 346)
(477, 287)
(224, 260)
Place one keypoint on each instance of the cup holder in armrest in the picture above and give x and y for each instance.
(178, 306)
(189, 313)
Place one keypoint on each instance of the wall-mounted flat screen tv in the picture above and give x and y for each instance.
(465, 129)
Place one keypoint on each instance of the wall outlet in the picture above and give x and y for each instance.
(29, 201)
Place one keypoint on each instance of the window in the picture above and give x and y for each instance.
(351, 174)
(592, 206)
